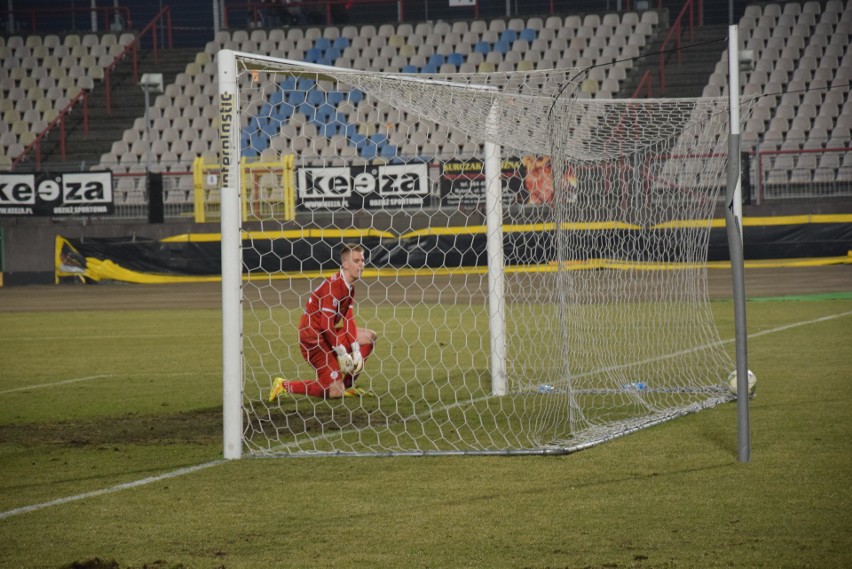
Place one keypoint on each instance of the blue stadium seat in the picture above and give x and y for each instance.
(356, 96)
(528, 34)
(282, 112)
(295, 98)
(482, 47)
(455, 59)
(325, 112)
(351, 132)
(367, 151)
(270, 127)
(313, 55)
(409, 69)
(259, 142)
(266, 110)
(322, 43)
(387, 151)
(275, 98)
(356, 139)
(436, 60)
(508, 36)
(328, 129)
(332, 53)
(341, 43)
(503, 46)
(315, 98)
(378, 139)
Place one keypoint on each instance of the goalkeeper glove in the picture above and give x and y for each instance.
(344, 360)
(357, 359)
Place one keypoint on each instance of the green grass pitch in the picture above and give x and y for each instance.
(101, 410)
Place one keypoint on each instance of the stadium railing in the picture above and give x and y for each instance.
(689, 17)
(59, 122)
(162, 18)
(45, 17)
(132, 50)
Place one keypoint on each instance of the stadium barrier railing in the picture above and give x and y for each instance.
(131, 50)
(689, 17)
(781, 174)
(270, 189)
(162, 18)
(59, 122)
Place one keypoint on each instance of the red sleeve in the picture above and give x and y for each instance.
(327, 315)
(319, 314)
(351, 328)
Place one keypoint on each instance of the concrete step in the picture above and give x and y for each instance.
(699, 56)
(127, 104)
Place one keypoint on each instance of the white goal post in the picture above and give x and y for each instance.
(536, 258)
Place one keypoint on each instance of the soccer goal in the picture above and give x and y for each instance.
(535, 257)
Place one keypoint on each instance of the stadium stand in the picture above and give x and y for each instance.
(439, 47)
(802, 67)
(41, 75)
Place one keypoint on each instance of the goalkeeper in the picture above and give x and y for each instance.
(328, 337)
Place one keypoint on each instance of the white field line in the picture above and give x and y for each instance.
(98, 337)
(54, 384)
(191, 469)
(110, 490)
(87, 378)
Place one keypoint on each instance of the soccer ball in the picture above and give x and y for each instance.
(752, 383)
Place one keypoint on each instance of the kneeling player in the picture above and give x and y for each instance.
(329, 339)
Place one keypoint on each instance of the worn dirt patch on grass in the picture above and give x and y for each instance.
(201, 427)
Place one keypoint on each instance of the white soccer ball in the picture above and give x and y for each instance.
(752, 383)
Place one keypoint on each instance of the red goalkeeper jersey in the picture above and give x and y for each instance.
(328, 316)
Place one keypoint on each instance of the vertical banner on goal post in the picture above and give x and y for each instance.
(232, 322)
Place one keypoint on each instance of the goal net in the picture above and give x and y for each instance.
(535, 257)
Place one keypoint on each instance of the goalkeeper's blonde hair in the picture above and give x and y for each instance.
(348, 249)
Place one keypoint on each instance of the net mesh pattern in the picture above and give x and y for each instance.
(606, 208)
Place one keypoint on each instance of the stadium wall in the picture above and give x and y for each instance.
(29, 247)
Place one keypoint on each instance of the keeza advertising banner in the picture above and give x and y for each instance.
(363, 187)
(54, 195)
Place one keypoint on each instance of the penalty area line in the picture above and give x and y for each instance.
(55, 383)
(90, 378)
(110, 490)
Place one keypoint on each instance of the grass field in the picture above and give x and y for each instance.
(110, 447)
